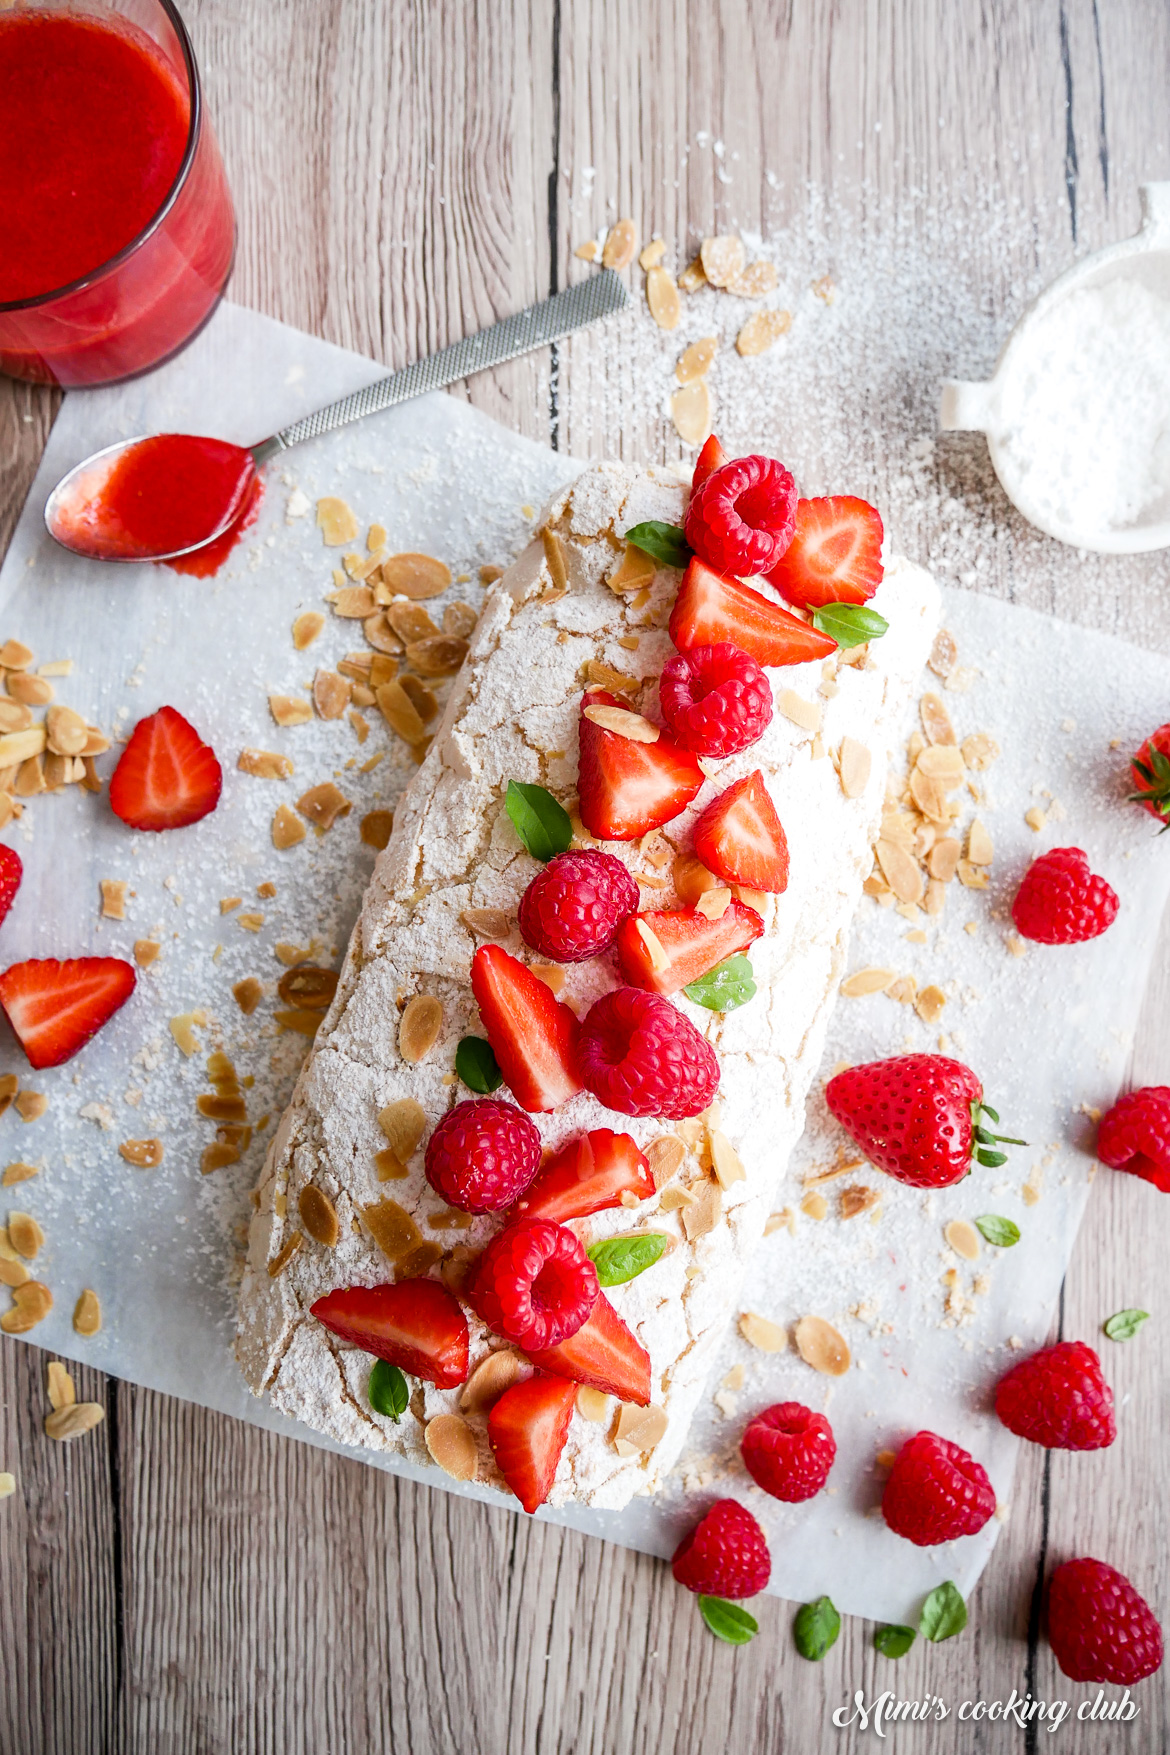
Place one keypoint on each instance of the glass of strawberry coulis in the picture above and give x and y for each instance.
(116, 225)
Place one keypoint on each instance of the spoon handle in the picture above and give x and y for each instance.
(599, 296)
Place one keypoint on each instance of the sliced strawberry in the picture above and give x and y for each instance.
(604, 1354)
(692, 943)
(56, 1007)
(167, 776)
(532, 1035)
(740, 839)
(835, 555)
(11, 871)
(416, 1325)
(527, 1429)
(710, 458)
(587, 1175)
(627, 788)
(712, 606)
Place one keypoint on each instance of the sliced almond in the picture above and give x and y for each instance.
(419, 1027)
(726, 1160)
(72, 1421)
(857, 1199)
(400, 712)
(491, 1377)
(381, 635)
(692, 409)
(662, 298)
(18, 747)
(722, 258)
(403, 1122)
(755, 281)
(665, 1157)
(336, 522)
(415, 575)
(762, 330)
(979, 750)
(864, 981)
(980, 850)
(801, 712)
(308, 986)
(642, 1428)
(14, 1272)
(814, 1206)
(322, 805)
(60, 1386)
(944, 654)
(410, 621)
(760, 1332)
(143, 1154)
(25, 1235)
(392, 1228)
(18, 1172)
(31, 1105)
(900, 871)
(318, 1215)
(972, 877)
(942, 761)
(265, 764)
(31, 691)
(287, 710)
(696, 360)
(703, 1212)
(306, 628)
(66, 730)
(15, 655)
(87, 1313)
(713, 904)
(652, 253)
(353, 603)
(820, 1346)
(146, 952)
(451, 1443)
(637, 569)
(936, 721)
(376, 827)
(618, 681)
(13, 716)
(286, 830)
(31, 1303)
(930, 1003)
(963, 1238)
(489, 923)
(331, 694)
(593, 1406)
(943, 859)
(854, 763)
(620, 243)
(905, 988)
(114, 898)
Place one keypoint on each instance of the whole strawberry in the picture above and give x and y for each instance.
(1099, 1628)
(936, 1491)
(1061, 902)
(1058, 1398)
(1135, 1135)
(1151, 775)
(919, 1117)
(725, 1555)
(788, 1450)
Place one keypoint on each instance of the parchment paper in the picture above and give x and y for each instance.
(1047, 1032)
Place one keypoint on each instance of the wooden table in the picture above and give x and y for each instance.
(404, 174)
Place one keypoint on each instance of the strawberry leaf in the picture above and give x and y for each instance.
(624, 1258)
(895, 1641)
(541, 823)
(1124, 1324)
(944, 1613)
(387, 1390)
(725, 987)
(477, 1065)
(728, 1621)
(815, 1629)
(850, 624)
(998, 1230)
(665, 542)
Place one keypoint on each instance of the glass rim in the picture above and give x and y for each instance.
(152, 225)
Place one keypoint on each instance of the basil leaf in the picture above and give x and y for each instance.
(728, 1621)
(815, 1629)
(998, 1230)
(1124, 1324)
(624, 1258)
(476, 1065)
(894, 1642)
(541, 823)
(666, 542)
(387, 1390)
(850, 624)
(724, 987)
(992, 1160)
(944, 1613)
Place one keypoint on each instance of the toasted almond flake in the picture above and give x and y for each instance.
(642, 1427)
(722, 258)
(854, 763)
(665, 1157)
(227, 903)
(294, 1241)
(72, 1421)
(266, 889)
(489, 923)
(146, 952)
(857, 1199)
(14, 1272)
(1036, 818)
(388, 1167)
(936, 721)
(299, 1020)
(331, 694)
(979, 846)
(662, 298)
(288, 711)
(392, 1228)
(359, 567)
(19, 747)
(942, 761)
(963, 1238)
(143, 1154)
(25, 1235)
(929, 1004)
(114, 898)
(410, 621)
(31, 1105)
(726, 1160)
(620, 243)
(491, 1377)
(183, 1028)
(451, 1443)
(820, 1346)
(318, 1215)
(944, 654)
(217, 1157)
(943, 859)
(308, 986)
(18, 1172)
(623, 723)
(762, 331)
(755, 281)
(361, 725)
(703, 1212)
(935, 899)
(554, 555)
(322, 805)
(761, 1333)
(306, 628)
(353, 603)
(637, 570)
(419, 1026)
(415, 575)
(692, 409)
(979, 750)
(421, 698)
(714, 903)
(587, 251)
(14, 716)
(381, 636)
(696, 360)
(403, 1122)
(15, 655)
(336, 522)
(250, 922)
(31, 1303)
(801, 712)
(593, 1406)
(30, 691)
(900, 871)
(814, 1204)
(375, 828)
(400, 712)
(652, 253)
(675, 1198)
(597, 671)
(905, 988)
(66, 731)
(865, 981)
(972, 877)
(60, 1386)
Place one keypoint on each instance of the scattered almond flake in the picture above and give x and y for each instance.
(360, 725)
(1016, 945)
(331, 694)
(421, 697)
(857, 1199)
(900, 871)
(388, 1166)
(692, 409)
(942, 761)
(979, 847)
(656, 850)
(620, 243)
(755, 281)
(247, 994)
(336, 522)
(227, 903)
(306, 628)
(380, 635)
(375, 828)
(217, 1157)
(972, 877)
(318, 1215)
(15, 655)
(183, 1030)
(866, 981)
(761, 332)
(636, 570)
(299, 1020)
(60, 1388)
(936, 721)
(392, 1228)
(763, 1334)
(100, 1113)
(410, 621)
(905, 988)
(885, 1459)
(25, 1235)
(1035, 818)
(652, 254)
(71, 1421)
(665, 1157)
(353, 603)
(66, 731)
(551, 974)
(692, 276)
(703, 1212)
(415, 575)
(492, 1376)
(419, 1026)
(944, 654)
(824, 289)
(114, 898)
(587, 251)
(31, 691)
(675, 1198)
(285, 1253)
(820, 1346)
(697, 359)
(943, 859)
(267, 889)
(722, 259)
(624, 1448)
(854, 762)
(630, 642)
(12, 1272)
(250, 922)
(714, 903)
(623, 723)
(814, 1205)
(18, 1172)
(31, 1303)
(489, 923)
(322, 805)
(146, 952)
(597, 671)
(662, 298)
(489, 575)
(801, 712)
(929, 1004)
(286, 830)
(400, 712)
(963, 1238)
(960, 679)
(641, 1427)
(14, 717)
(286, 711)
(756, 899)
(979, 750)
(31, 1105)
(143, 1154)
(726, 1160)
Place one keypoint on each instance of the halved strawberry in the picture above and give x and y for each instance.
(11, 871)
(835, 555)
(532, 1035)
(712, 606)
(627, 788)
(604, 1354)
(56, 1007)
(167, 776)
(587, 1175)
(692, 943)
(740, 839)
(710, 458)
(527, 1429)
(416, 1325)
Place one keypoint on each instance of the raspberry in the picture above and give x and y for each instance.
(1099, 1628)
(1060, 902)
(935, 1492)
(640, 1056)
(483, 1155)
(1059, 1398)
(725, 1555)
(1135, 1135)
(715, 699)
(789, 1451)
(572, 909)
(535, 1285)
(741, 519)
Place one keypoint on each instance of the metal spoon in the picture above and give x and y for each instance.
(599, 296)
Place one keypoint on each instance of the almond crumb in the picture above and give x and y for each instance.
(143, 1154)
